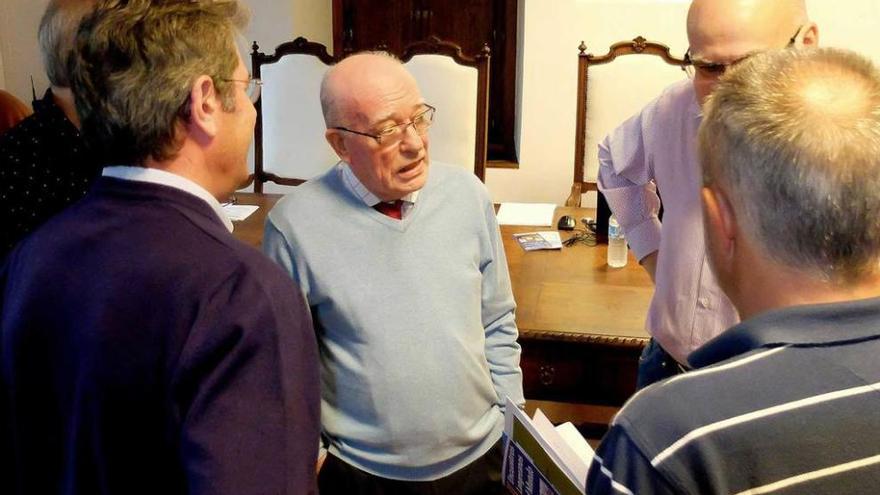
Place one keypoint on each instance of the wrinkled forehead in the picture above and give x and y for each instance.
(381, 97)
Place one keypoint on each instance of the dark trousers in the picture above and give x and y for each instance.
(655, 364)
(483, 476)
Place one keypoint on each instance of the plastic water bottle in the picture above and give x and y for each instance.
(616, 244)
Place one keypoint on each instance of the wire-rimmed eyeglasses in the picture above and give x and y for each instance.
(712, 69)
(252, 88)
(394, 134)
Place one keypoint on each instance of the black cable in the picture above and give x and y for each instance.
(587, 237)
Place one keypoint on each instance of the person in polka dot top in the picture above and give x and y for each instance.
(44, 165)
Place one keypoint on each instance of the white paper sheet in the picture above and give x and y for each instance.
(575, 466)
(579, 446)
(237, 213)
(536, 214)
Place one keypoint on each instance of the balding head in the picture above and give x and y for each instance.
(371, 107)
(793, 139)
(725, 31)
(349, 86)
(743, 21)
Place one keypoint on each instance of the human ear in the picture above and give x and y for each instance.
(337, 142)
(204, 107)
(719, 221)
(810, 36)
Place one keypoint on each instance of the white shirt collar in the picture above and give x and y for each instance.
(161, 177)
(359, 190)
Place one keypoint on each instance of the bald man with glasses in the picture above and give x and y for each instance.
(794, 387)
(402, 263)
(653, 155)
(711, 70)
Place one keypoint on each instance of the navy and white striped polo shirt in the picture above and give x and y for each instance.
(787, 402)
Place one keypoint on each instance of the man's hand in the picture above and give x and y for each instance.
(649, 263)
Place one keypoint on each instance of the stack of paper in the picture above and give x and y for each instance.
(543, 459)
(537, 214)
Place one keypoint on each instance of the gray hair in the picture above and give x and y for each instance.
(56, 35)
(134, 66)
(794, 138)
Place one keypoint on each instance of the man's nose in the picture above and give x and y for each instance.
(412, 140)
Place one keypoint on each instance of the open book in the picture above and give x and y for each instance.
(541, 459)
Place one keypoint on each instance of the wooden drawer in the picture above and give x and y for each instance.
(578, 372)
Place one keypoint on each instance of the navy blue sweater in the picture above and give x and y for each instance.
(145, 350)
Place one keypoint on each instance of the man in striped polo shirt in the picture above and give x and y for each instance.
(788, 400)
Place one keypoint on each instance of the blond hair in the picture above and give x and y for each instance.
(794, 138)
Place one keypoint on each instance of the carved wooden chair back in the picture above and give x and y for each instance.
(608, 97)
(289, 144)
(458, 86)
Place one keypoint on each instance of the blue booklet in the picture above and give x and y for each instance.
(531, 241)
(540, 459)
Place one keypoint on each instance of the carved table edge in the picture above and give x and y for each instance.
(583, 338)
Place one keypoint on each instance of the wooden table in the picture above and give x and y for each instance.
(581, 322)
(573, 293)
(581, 326)
(251, 229)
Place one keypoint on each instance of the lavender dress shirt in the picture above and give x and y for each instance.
(656, 149)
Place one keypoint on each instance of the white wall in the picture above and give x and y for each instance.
(313, 19)
(19, 20)
(3, 16)
(2, 75)
(850, 24)
(273, 22)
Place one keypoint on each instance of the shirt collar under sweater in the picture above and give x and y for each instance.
(161, 177)
(359, 190)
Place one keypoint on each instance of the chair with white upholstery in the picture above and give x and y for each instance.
(613, 94)
(289, 134)
(458, 86)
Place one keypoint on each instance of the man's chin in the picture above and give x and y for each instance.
(243, 182)
(240, 175)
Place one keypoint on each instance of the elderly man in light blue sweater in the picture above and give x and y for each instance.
(402, 263)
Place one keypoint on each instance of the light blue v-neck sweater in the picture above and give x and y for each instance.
(415, 321)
